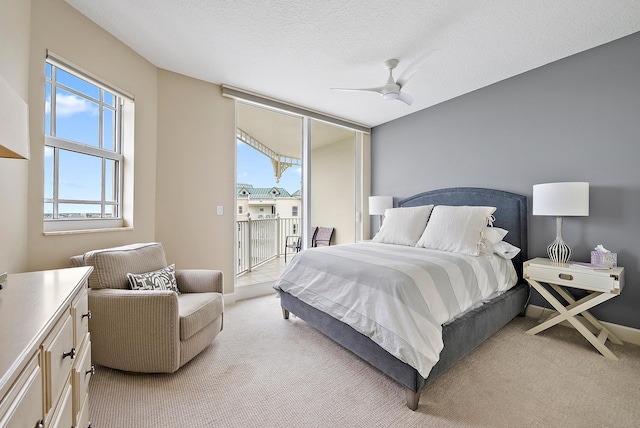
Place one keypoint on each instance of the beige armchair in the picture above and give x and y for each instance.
(149, 331)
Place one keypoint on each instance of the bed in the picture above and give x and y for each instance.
(465, 331)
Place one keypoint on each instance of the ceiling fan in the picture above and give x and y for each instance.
(392, 90)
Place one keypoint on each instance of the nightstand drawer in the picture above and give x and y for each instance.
(570, 276)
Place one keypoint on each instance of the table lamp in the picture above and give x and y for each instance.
(378, 205)
(14, 123)
(560, 200)
(14, 130)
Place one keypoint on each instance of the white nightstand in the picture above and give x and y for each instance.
(602, 285)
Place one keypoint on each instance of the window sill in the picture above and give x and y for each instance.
(82, 231)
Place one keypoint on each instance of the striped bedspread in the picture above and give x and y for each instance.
(398, 296)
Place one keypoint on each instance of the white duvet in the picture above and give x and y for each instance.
(399, 296)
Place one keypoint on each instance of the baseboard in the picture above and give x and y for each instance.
(624, 333)
(249, 292)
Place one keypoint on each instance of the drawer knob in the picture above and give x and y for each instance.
(91, 371)
(88, 315)
(566, 276)
(39, 424)
(71, 354)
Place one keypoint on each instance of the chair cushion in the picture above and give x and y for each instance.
(197, 310)
(111, 265)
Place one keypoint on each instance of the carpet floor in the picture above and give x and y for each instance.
(264, 371)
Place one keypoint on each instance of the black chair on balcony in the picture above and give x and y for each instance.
(323, 237)
(295, 242)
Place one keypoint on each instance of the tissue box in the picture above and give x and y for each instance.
(604, 259)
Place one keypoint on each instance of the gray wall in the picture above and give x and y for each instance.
(577, 119)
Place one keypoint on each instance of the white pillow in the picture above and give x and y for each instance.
(456, 229)
(403, 226)
(505, 250)
(494, 234)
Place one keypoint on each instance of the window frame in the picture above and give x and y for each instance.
(117, 203)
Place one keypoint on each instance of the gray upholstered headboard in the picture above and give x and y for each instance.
(511, 211)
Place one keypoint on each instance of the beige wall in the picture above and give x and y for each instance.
(60, 28)
(196, 170)
(333, 189)
(14, 68)
(184, 149)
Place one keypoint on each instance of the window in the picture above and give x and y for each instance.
(239, 209)
(83, 163)
(294, 211)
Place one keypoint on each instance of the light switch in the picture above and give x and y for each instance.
(220, 210)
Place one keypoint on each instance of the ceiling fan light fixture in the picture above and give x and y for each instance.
(392, 90)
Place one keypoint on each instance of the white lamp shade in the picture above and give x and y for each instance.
(14, 124)
(379, 204)
(561, 199)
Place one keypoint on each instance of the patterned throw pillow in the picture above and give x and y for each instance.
(163, 279)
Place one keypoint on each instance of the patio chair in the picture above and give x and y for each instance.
(323, 237)
(295, 242)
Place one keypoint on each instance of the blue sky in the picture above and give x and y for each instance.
(255, 168)
(77, 119)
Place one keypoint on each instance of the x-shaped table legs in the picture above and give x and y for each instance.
(574, 308)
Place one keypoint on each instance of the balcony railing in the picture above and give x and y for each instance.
(262, 240)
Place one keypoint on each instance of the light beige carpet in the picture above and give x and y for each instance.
(263, 371)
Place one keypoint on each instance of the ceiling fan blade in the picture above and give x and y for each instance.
(413, 67)
(378, 89)
(406, 98)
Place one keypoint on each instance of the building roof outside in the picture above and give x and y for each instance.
(247, 191)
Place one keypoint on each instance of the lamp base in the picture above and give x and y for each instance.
(558, 251)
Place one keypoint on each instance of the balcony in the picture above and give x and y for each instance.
(261, 247)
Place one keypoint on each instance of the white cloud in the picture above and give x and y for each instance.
(67, 105)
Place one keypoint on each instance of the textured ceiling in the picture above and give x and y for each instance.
(295, 50)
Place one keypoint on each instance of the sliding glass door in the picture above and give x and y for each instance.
(334, 181)
(268, 189)
(293, 173)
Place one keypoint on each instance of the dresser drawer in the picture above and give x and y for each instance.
(81, 375)
(63, 414)
(81, 315)
(38, 347)
(83, 417)
(58, 355)
(22, 406)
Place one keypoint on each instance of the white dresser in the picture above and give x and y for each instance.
(45, 349)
